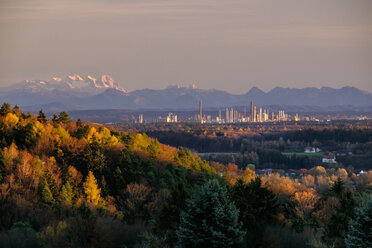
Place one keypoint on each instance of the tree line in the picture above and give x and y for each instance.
(67, 183)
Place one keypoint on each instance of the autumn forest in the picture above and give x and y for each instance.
(67, 183)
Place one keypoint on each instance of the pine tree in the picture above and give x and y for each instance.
(64, 117)
(94, 157)
(52, 184)
(360, 228)
(91, 190)
(169, 215)
(118, 181)
(337, 226)
(338, 188)
(79, 123)
(5, 109)
(257, 207)
(105, 190)
(153, 148)
(67, 193)
(55, 118)
(46, 194)
(41, 117)
(17, 110)
(210, 219)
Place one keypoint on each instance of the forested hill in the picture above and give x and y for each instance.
(50, 171)
(74, 184)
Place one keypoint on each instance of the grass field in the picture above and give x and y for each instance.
(315, 154)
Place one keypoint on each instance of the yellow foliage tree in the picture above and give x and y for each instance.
(10, 120)
(141, 141)
(248, 175)
(281, 186)
(38, 128)
(102, 136)
(341, 172)
(61, 136)
(54, 236)
(308, 181)
(91, 190)
(106, 138)
(92, 133)
(10, 153)
(306, 201)
(318, 171)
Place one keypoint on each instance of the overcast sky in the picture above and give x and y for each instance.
(223, 44)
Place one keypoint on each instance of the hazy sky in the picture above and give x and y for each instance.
(224, 44)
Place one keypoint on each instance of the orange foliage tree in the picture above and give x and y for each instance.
(231, 173)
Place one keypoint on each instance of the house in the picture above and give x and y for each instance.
(344, 153)
(291, 173)
(310, 149)
(330, 159)
(362, 172)
(263, 172)
(268, 171)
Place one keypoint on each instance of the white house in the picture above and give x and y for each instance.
(330, 159)
(310, 149)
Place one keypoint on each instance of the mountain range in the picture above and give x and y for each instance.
(77, 92)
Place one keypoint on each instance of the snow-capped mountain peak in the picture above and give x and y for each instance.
(75, 77)
(57, 79)
(75, 83)
(107, 81)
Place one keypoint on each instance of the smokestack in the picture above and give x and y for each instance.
(200, 110)
(251, 111)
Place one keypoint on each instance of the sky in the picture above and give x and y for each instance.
(230, 45)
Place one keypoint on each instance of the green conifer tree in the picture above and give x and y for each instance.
(257, 207)
(52, 184)
(41, 117)
(210, 219)
(337, 226)
(104, 186)
(94, 157)
(79, 123)
(67, 193)
(360, 228)
(153, 148)
(46, 195)
(55, 119)
(5, 109)
(64, 117)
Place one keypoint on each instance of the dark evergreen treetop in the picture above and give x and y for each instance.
(210, 220)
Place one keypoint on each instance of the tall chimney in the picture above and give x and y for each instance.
(200, 110)
(251, 111)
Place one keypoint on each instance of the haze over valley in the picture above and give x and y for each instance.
(78, 92)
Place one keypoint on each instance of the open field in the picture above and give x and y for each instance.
(315, 154)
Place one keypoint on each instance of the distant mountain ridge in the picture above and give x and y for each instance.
(71, 84)
(86, 92)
